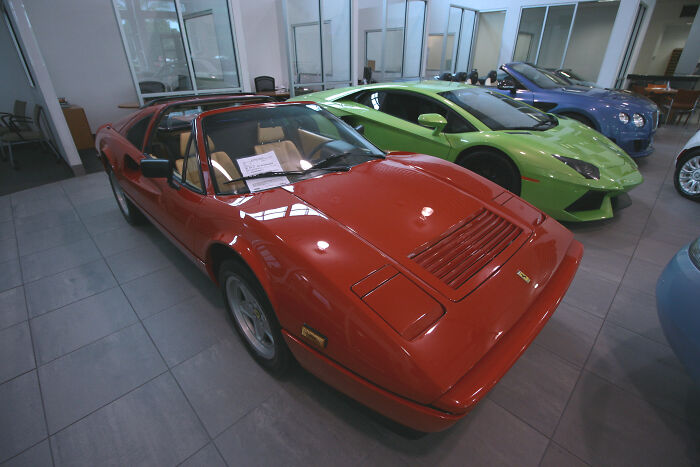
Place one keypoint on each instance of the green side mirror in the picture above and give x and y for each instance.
(435, 121)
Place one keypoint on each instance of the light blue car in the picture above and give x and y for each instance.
(678, 306)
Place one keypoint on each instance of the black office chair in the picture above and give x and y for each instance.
(461, 76)
(150, 87)
(264, 83)
(473, 78)
(491, 78)
(447, 76)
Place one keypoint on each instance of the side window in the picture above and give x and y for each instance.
(410, 106)
(190, 170)
(137, 132)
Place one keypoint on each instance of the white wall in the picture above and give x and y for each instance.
(15, 85)
(666, 32)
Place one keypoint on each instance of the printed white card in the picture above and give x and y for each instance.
(261, 163)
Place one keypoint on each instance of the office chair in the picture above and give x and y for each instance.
(264, 83)
(473, 78)
(461, 76)
(491, 78)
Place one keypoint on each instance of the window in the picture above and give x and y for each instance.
(137, 132)
(408, 107)
(178, 46)
(191, 170)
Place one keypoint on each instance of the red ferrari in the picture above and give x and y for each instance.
(402, 280)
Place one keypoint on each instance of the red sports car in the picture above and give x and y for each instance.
(402, 280)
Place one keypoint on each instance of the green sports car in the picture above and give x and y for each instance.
(565, 168)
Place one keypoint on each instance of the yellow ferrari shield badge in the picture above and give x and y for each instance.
(523, 276)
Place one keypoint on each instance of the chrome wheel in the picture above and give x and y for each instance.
(250, 317)
(689, 176)
(118, 193)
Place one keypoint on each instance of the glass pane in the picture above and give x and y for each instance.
(414, 38)
(488, 41)
(393, 47)
(152, 34)
(464, 48)
(592, 28)
(434, 53)
(208, 30)
(453, 23)
(556, 30)
(306, 40)
(336, 39)
(531, 21)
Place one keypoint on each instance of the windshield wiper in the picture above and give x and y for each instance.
(354, 152)
(282, 173)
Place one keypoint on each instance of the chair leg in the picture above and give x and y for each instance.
(12, 157)
(2, 152)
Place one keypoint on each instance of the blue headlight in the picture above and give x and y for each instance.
(623, 117)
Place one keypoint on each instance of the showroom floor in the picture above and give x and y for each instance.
(114, 350)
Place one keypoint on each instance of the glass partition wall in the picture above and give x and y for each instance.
(566, 36)
(393, 46)
(318, 38)
(179, 46)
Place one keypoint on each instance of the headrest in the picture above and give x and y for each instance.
(270, 134)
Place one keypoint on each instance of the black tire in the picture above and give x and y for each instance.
(688, 171)
(580, 118)
(251, 311)
(493, 166)
(131, 213)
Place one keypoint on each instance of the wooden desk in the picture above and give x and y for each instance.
(78, 126)
(278, 94)
(129, 105)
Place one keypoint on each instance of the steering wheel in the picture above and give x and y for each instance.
(319, 147)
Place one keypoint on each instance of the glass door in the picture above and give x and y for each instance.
(458, 40)
(487, 45)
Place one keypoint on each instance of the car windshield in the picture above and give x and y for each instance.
(265, 147)
(539, 76)
(499, 112)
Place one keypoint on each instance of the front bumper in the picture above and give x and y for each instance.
(473, 386)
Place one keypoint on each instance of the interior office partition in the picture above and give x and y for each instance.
(179, 46)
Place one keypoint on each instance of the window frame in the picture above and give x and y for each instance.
(183, 179)
(146, 119)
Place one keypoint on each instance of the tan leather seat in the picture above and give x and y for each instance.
(310, 140)
(272, 139)
(225, 170)
(185, 138)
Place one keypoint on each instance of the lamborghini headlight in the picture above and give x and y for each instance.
(638, 120)
(586, 169)
(623, 117)
(694, 252)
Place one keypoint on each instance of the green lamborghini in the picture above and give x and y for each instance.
(563, 167)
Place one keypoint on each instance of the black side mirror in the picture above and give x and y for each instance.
(507, 84)
(360, 129)
(155, 168)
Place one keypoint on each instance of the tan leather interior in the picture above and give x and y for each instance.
(271, 139)
(185, 138)
(225, 170)
(192, 177)
(310, 140)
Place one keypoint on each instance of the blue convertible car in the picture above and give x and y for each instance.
(677, 302)
(628, 120)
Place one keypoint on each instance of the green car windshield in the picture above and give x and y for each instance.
(499, 112)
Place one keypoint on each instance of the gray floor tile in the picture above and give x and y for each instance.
(603, 235)
(8, 249)
(10, 275)
(642, 275)
(488, 435)
(537, 388)
(118, 240)
(186, 329)
(36, 456)
(223, 383)
(645, 368)
(556, 456)
(591, 292)
(570, 333)
(66, 329)
(636, 311)
(88, 189)
(67, 287)
(604, 425)
(13, 308)
(208, 456)
(604, 263)
(16, 354)
(32, 242)
(656, 251)
(7, 229)
(40, 206)
(46, 220)
(109, 220)
(21, 414)
(92, 376)
(157, 291)
(58, 259)
(5, 208)
(97, 206)
(136, 262)
(150, 426)
(50, 190)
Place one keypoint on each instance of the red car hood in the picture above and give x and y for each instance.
(402, 211)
